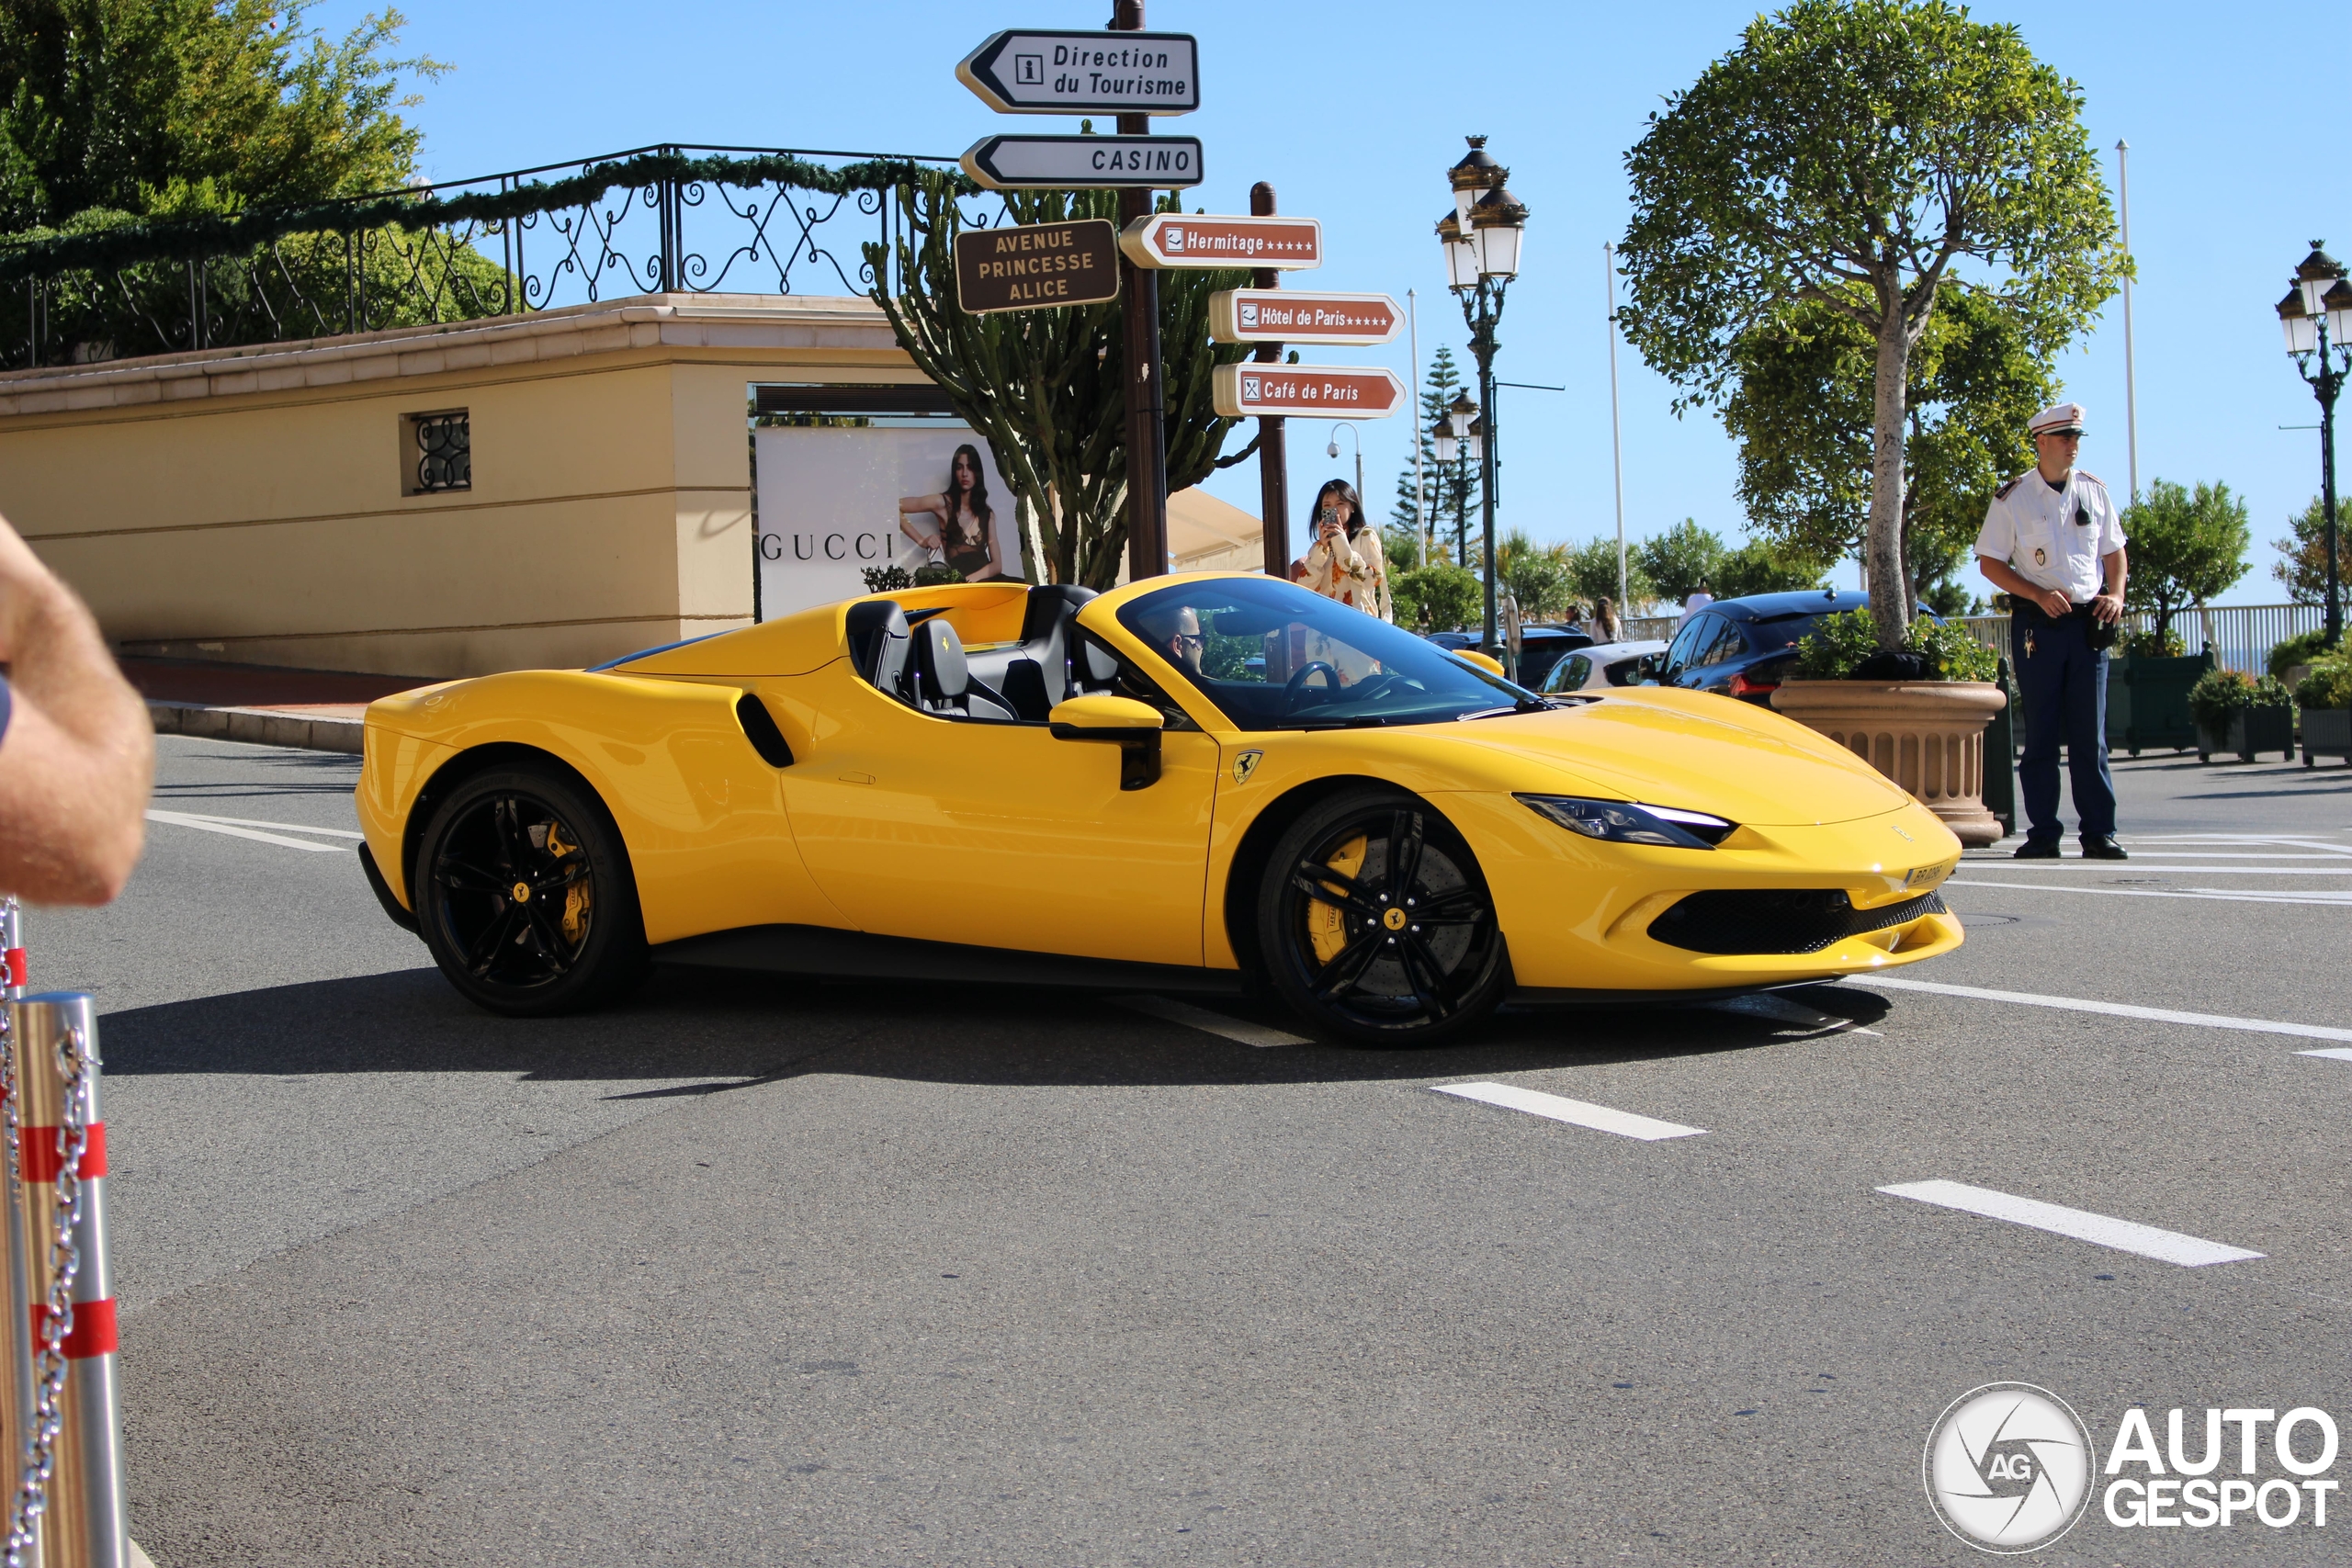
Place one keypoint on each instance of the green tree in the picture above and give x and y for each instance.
(1760, 566)
(1802, 410)
(2186, 547)
(1849, 155)
(1680, 561)
(1452, 487)
(1439, 597)
(1536, 575)
(1048, 387)
(1592, 574)
(144, 105)
(2303, 570)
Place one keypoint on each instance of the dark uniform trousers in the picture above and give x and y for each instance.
(2062, 681)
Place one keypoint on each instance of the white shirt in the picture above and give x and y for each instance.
(1692, 605)
(2053, 538)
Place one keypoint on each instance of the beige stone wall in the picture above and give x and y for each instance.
(245, 504)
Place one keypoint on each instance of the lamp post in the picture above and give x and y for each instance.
(1334, 451)
(2317, 317)
(1451, 427)
(1480, 238)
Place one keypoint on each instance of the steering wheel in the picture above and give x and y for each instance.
(1297, 685)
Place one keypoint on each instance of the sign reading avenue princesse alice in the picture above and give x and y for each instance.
(1324, 391)
(1038, 267)
(1275, 315)
(1177, 239)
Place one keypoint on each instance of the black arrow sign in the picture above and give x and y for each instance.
(1085, 163)
(1022, 71)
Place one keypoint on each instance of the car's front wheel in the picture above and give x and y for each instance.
(1374, 922)
(522, 890)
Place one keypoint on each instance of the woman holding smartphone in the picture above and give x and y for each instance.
(1344, 562)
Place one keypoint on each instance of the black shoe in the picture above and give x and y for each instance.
(2103, 848)
(2038, 849)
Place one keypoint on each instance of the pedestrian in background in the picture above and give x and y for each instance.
(1345, 561)
(77, 749)
(1606, 627)
(1696, 603)
(2053, 541)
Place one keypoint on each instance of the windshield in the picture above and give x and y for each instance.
(1272, 656)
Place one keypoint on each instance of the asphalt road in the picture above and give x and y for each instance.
(754, 1271)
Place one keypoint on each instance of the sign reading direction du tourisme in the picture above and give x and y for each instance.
(1038, 265)
(1023, 72)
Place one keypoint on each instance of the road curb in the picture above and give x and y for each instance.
(260, 727)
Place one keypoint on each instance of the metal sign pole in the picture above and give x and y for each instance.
(69, 1496)
(1146, 404)
(1273, 450)
(16, 1336)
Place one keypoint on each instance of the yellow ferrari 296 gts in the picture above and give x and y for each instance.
(1204, 783)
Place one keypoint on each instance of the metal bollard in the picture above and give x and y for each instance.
(68, 1499)
(16, 1341)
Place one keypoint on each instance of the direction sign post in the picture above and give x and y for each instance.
(1037, 71)
(1274, 446)
(1269, 315)
(1146, 392)
(1178, 239)
(1038, 265)
(1320, 391)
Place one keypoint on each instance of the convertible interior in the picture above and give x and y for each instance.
(920, 660)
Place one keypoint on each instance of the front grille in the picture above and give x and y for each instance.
(1779, 919)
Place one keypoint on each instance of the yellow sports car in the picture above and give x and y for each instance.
(1200, 783)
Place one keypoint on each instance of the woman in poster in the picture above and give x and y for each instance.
(1345, 562)
(961, 529)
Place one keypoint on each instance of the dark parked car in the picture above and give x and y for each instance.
(1540, 647)
(1744, 647)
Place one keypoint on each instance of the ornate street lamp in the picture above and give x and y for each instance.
(1481, 239)
(2316, 316)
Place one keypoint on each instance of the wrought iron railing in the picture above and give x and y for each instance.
(665, 219)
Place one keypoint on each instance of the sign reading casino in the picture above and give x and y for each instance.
(1038, 267)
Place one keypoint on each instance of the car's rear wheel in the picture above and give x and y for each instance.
(522, 890)
(1374, 922)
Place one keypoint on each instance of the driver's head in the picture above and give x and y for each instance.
(1176, 635)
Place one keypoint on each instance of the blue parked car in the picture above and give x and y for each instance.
(1745, 647)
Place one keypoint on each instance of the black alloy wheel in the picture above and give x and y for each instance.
(1374, 922)
(522, 891)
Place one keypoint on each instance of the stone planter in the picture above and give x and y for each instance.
(2251, 732)
(1928, 736)
(2327, 732)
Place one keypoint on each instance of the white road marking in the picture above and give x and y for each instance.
(2334, 1053)
(2115, 1009)
(2123, 1235)
(2334, 849)
(1577, 1112)
(2245, 896)
(183, 820)
(1236, 1028)
(283, 826)
(2139, 866)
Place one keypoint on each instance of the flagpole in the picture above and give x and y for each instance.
(1616, 433)
(2131, 382)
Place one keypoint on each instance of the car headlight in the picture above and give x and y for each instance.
(1623, 822)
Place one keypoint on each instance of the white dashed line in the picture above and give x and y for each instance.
(239, 828)
(2115, 1009)
(2123, 1235)
(2245, 896)
(1577, 1112)
(1234, 1029)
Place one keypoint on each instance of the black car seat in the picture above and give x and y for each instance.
(878, 638)
(940, 680)
(1041, 675)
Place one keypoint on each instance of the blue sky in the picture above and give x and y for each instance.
(1355, 111)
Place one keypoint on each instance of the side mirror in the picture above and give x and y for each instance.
(1485, 662)
(1133, 726)
(1644, 671)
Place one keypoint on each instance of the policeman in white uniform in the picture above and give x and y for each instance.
(2053, 541)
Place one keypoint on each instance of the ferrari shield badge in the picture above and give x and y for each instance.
(1246, 765)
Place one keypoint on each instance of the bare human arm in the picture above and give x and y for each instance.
(2006, 577)
(934, 504)
(79, 756)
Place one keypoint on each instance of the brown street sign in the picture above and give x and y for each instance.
(1177, 239)
(1322, 391)
(1280, 315)
(1038, 267)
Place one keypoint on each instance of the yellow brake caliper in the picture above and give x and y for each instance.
(577, 898)
(1327, 925)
